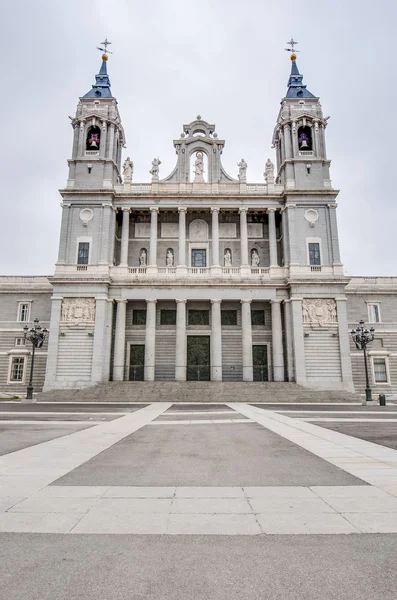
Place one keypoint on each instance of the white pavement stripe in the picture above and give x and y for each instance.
(337, 412)
(64, 414)
(373, 463)
(201, 422)
(32, 422)
(26, 471)
(347, 420)
(200, 412)
(202, 510)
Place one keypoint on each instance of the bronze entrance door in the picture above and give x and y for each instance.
(259, 361)
(137, 362)
(198, 358)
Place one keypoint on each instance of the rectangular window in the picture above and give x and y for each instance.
(24, 311)
(257, 317)
(380, 370)
(139, 317)
(199, 258)
(20, 342)
(168, 317)
(373, 313)
(199, 317)
(229, 317)
(314, 253)
(17, 367)
(83, 253)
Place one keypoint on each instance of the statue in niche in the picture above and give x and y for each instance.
(228, 258)
(169, 259)
(128, 170)
(199, 166)
(142, 257)
(254, 258)
(269, 171)
(242, 172)
(154, 171)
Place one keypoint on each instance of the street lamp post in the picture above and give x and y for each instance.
(36, 336)
(362, 337)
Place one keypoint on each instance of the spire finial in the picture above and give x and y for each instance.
(105, 50)
(292, 43)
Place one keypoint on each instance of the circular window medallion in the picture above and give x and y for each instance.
(86, 215)
(311, 216)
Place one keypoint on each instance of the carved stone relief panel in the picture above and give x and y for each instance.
(142, 230)
(78, 310)
(255, 230)
(198, 230)
(169, 230)
(319, 311)
(227, 230)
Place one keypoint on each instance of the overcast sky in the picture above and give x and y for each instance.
(174, 59)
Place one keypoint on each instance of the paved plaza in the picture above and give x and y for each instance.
(165, 500)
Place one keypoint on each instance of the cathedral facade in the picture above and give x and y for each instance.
(199, 275)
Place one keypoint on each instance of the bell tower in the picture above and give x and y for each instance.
(299, 136)
(98, 136)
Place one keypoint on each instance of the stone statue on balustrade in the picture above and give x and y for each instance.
(154, 171)
(254, 258)
(269, 172)
(242, 172)
(169, 260)
(143, 258)
(228, 258)
(128, 170)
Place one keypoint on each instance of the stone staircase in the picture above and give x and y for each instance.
(192, 391)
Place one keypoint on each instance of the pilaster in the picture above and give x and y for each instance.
(150, 340)
(277, 341)
(246, 328)
(119, 342)
(216, 341)
(181, 342)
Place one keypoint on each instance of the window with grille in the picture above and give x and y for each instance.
(229, 317)
(168, 317)
(380, 370)
(199, 317)
(83, 253)
(314, 253)
(24, 311)
(257, 317)
(17, 367)
(199, 258)
(139, 317)
(373, 313)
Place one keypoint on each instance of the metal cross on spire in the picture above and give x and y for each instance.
(292, 43)
(106, 43)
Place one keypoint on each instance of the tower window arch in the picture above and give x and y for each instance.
(305, 141)
(93, 138)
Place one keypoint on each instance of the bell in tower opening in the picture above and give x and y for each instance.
(93, 138)
(305, 138)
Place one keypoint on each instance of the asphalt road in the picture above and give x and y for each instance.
(99, 567)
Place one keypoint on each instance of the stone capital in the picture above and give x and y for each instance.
(125, 209)
(154, 209)
(243, 209)
(121, 300)
(215, 209)
(153, 300)
(182, 209)
(276, 301)
(180, 301)
(216, 301)
(246, 301)
(290, 205)
(332, 205)
(107, 205)
(271, 209)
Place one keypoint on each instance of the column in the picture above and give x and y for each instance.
(81, 139)
(288, 340)
(106, 240)
(287, 141)
(182, 240)
(277, 341)
(244, 237)
(295, 147)
(119, 342)
(293, 250)
(272, 237)
(180, 348)
(102, 145)
(76, 135)
(111, 140)
(150, 340)
(298, 341)
(215, 237)
(344, 345)
(246, 340)
(125, 234)
(153, 239)
(99, 346)
(216, 341)
(53, 344)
